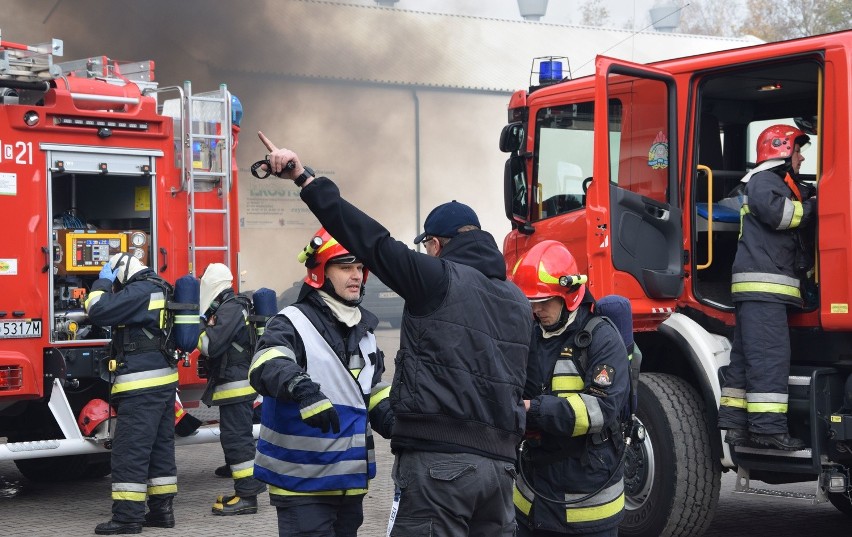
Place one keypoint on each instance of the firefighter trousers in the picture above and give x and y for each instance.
(238, 444)
(754, 395)
(143, 454)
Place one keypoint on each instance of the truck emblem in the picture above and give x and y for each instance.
(658, 155)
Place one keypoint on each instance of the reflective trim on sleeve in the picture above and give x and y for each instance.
(92, 299)
(380, 392)
(157, 301)
(261, 357)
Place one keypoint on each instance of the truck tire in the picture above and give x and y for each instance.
(672, 479)
(54, 469)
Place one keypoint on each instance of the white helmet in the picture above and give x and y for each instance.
(125, 266)
(216, 279)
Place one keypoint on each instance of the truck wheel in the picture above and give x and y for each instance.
(843, 502)
(53, 469)
(671, 479)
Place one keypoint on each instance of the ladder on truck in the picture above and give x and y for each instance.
(204, 151)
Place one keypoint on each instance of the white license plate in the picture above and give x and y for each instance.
(20, 328)
(388, 294)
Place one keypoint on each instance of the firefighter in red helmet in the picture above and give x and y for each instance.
(774, 257)
(570, 479)
(319, 370)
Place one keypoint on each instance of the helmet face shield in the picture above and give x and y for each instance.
(547, 270)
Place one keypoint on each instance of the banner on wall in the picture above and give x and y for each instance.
(274, 203)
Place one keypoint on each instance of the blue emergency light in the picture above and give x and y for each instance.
(549, 71)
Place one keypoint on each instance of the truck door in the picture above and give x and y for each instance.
(635, 238)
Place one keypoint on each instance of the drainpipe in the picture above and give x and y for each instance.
(416, 164)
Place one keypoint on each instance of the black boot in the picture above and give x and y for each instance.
(161, 514)
(737, 437)
(118, 528)
(235, 505)
(223, 471)
(781, 441)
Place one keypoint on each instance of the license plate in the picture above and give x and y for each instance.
(388, 294)
(20, 328)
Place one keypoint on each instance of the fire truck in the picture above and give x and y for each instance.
(630, 168)
(95, 160)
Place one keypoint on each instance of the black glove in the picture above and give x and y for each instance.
(315, 408)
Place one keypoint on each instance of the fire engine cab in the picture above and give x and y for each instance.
(94, 161)
(633, 169)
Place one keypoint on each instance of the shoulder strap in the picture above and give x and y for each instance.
(583, 339)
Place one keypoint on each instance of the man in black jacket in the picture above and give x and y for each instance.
(459, 377)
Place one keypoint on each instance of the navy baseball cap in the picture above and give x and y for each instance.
(446, 219)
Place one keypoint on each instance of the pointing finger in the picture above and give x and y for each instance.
(266, 141)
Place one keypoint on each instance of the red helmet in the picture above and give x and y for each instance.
(93, 414)
(548, 269)
(777, 141)
(323, 249)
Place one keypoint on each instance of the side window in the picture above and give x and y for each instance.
(809, 166)
(565, 140)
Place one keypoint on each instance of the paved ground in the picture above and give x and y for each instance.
(72, 509)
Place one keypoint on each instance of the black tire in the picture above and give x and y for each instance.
(843, 502)
(54, 469)
(671, 479)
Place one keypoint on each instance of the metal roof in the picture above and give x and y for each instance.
(379, 45)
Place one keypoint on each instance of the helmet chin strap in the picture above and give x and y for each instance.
(124, 256)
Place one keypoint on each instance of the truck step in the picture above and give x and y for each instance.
(799, 454)
(743, 486)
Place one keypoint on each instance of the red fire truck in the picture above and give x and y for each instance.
(628, 167)
(93, 161)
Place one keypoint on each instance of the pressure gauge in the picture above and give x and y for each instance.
(139, 253)
(114, 244)
(137, 239)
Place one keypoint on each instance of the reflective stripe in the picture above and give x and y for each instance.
(316, 408)
(229, 390)
(310, 471)
(733, 402)
(186, 319)
(133, 492)
(593, 407)
(348, 492)
(167, 480)
(607, 503)
(204, 343)
(768, 397)
(774, 408)
(145, 379)
(792, 215)
(93, 298)
(765, 277)
(243, 469)
(261, 357)
(737, 393)
(572, 383)
(521, 500)
(157, 301)
(764, 282)
(160, 490)
(381, 391)
(311, 443)
(581, 418)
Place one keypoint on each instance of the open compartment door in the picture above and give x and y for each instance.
(635, 230)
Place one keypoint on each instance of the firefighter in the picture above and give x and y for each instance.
(226, 342)
(772, 260)
(319, 369)
(570, 480)
(129, 297)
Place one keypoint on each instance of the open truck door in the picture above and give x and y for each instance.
(635, 242)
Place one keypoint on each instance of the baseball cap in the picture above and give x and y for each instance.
(446, 219)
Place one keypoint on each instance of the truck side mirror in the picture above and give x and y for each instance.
(515, 193)
(512, 137)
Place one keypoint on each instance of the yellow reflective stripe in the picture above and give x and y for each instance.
(186, 319)
(157, 302)
(523, 504)
(780, 408)
(145, 383)
(94, 295)
(581, 416)
(599, 512)
(567, 383)
(126, 495)
(379, 396)
(240, 474)
(735, 402)
(543, 275)
(265, 356)
(233, 392)
(316, 408)
(179, 413)
(349, 492)
(798, 211)
(162, 489)
(762, 287)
